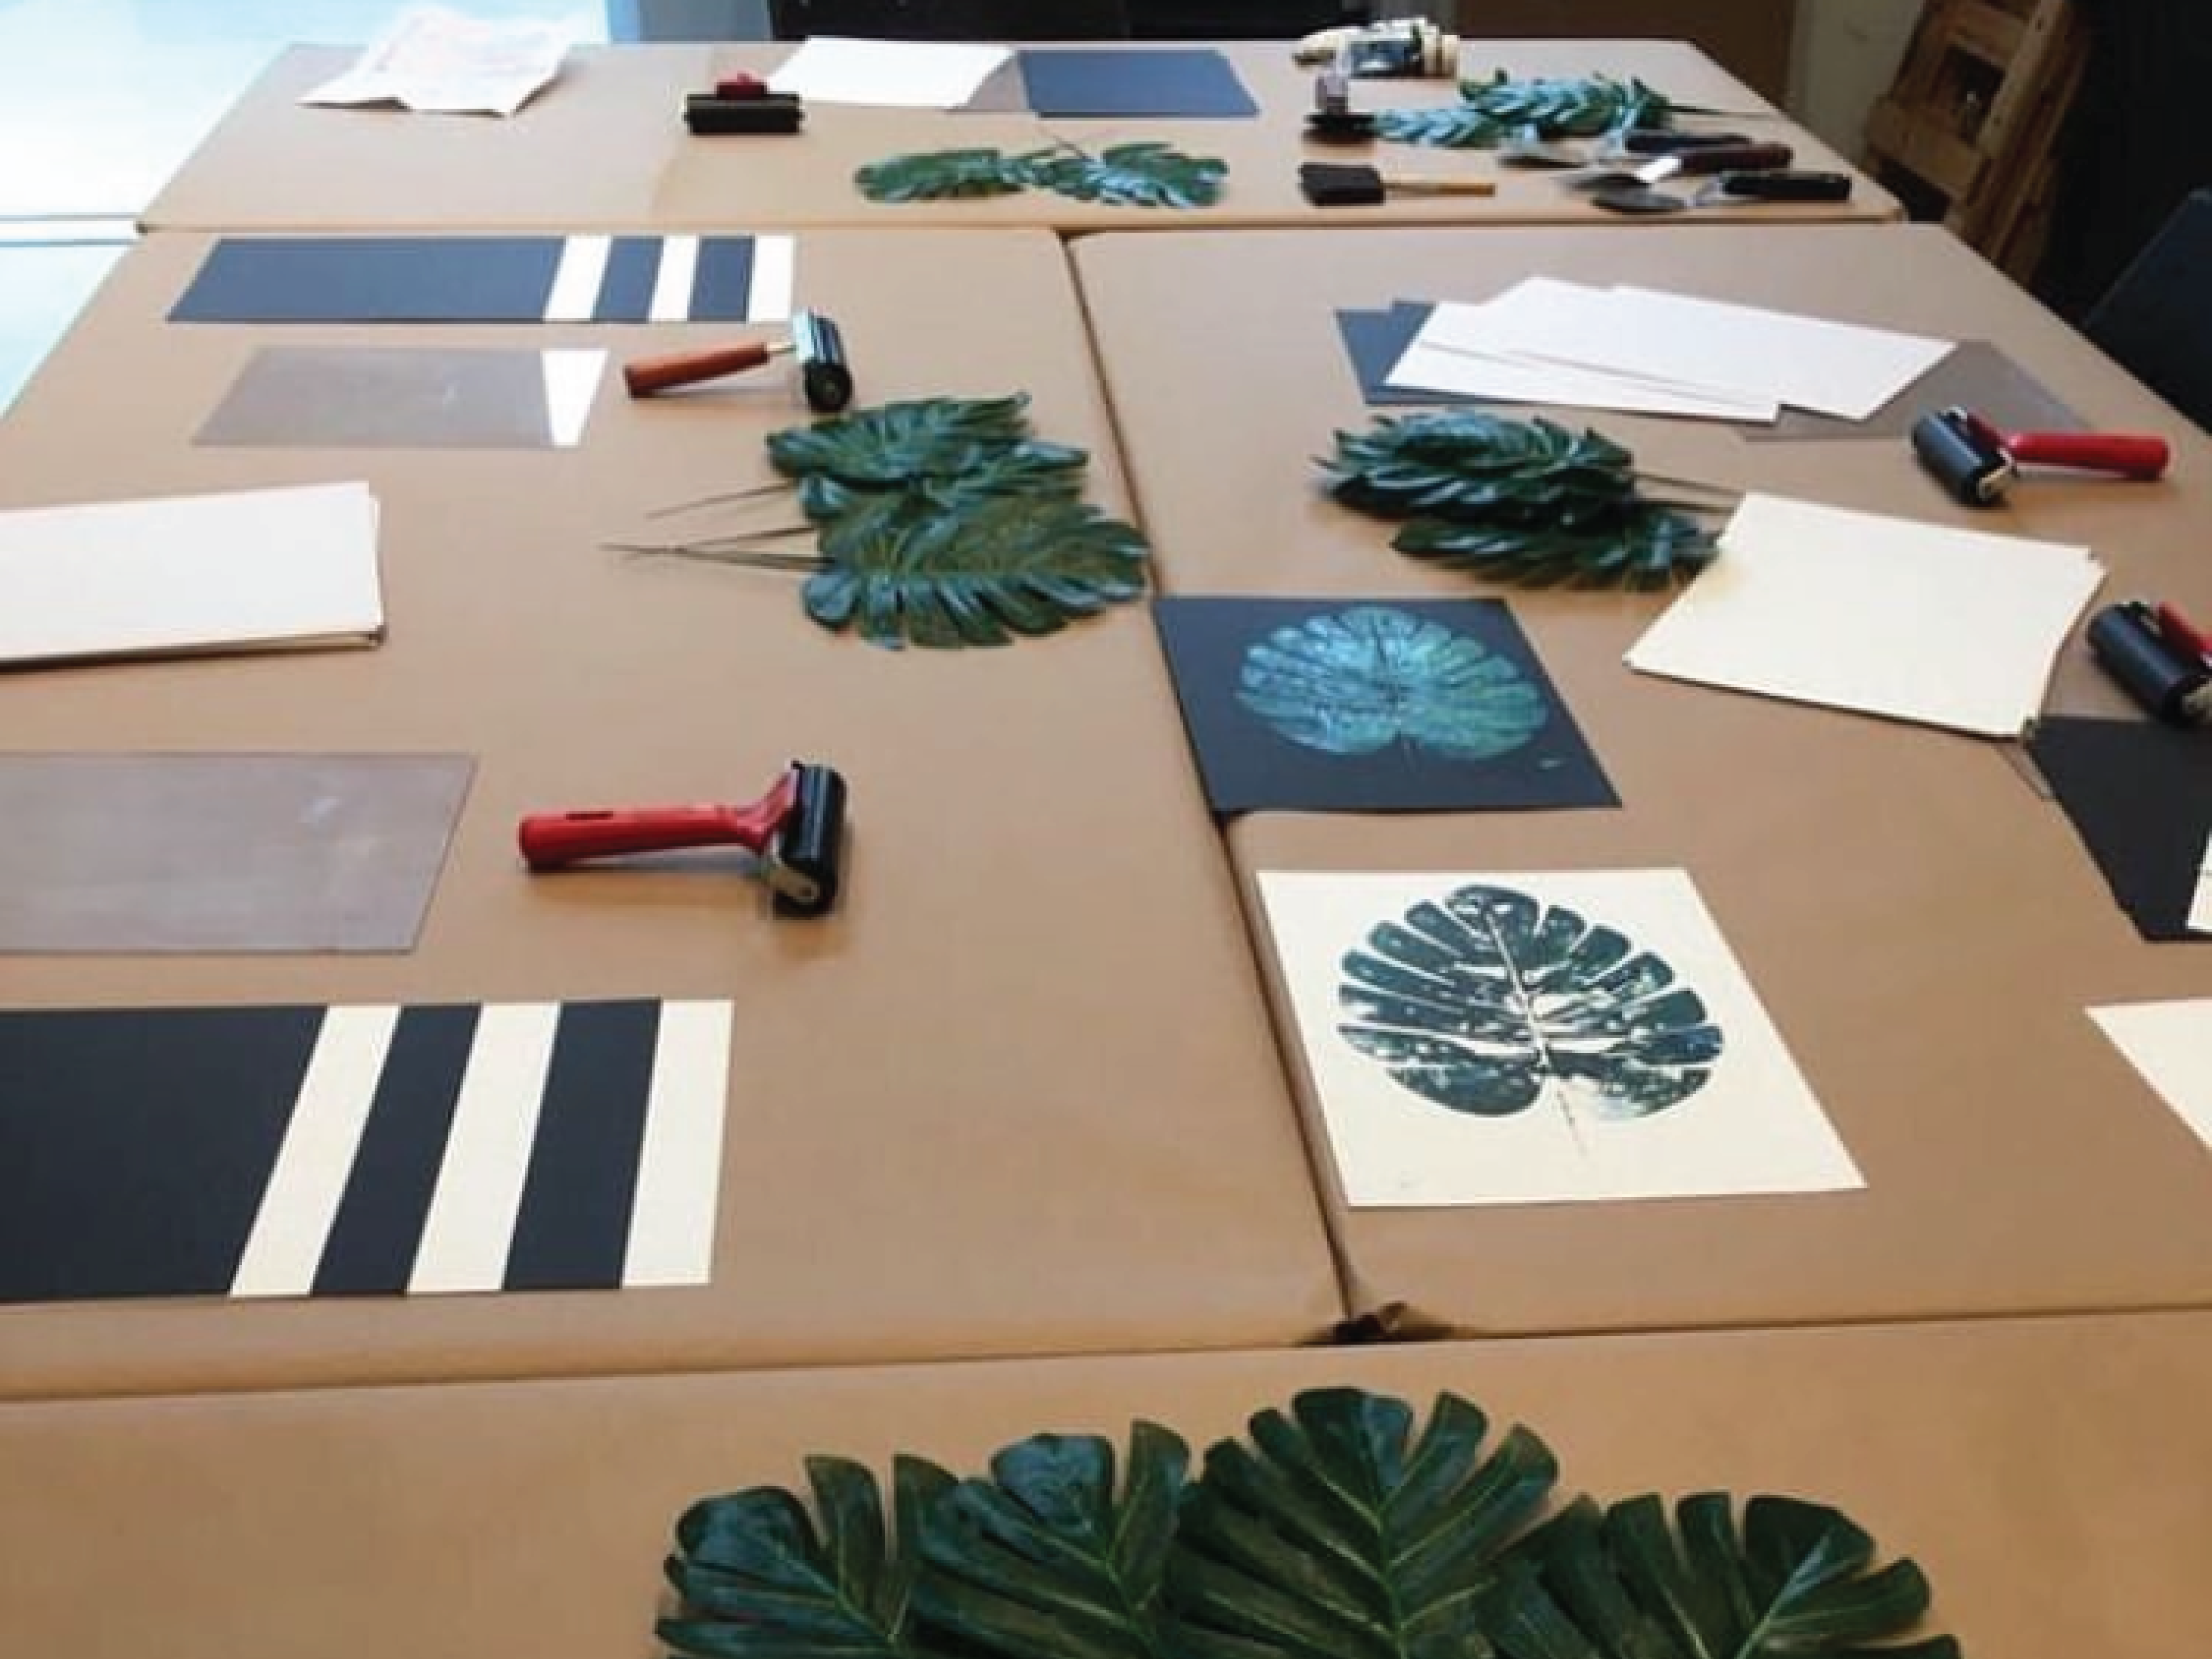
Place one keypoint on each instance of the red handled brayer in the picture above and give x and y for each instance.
(1977, 464)
(815, 345)
(796, 830)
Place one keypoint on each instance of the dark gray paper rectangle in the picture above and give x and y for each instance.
(406, 398)
(222, 853)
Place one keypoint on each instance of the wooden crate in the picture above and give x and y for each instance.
(1969, 132)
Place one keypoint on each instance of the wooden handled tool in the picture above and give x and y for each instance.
(1354, 184)
(825, 376)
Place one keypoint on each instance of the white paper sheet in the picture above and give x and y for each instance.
(1885, 616)
(1833, 369)
(440, 62)
(2200, 904)
(1423, 368)
(1748, 1124)
(189, 573)
(2170, 1044)
(831, 69)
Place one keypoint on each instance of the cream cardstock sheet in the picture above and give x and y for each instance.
(1753, 1127)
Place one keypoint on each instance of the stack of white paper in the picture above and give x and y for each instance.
(1648, 352)
(1855, 610)
(899, 74)
(244, 571)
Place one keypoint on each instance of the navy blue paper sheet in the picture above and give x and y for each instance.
(463, 279)
(1192, 82)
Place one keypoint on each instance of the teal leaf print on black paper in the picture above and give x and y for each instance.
(1487, 1002)
(1353, 682)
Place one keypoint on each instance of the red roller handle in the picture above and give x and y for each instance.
(549, 840)
(2130, 455)
(650, 374)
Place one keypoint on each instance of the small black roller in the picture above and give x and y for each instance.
(825, 376)
(811, 843)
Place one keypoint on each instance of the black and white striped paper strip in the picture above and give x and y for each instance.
(359, 1150)
(493, 279)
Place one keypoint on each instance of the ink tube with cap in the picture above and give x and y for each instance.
(2126, 640)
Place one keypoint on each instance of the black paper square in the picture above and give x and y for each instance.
(2140, 795)
(1172, 83)
(1372, 705)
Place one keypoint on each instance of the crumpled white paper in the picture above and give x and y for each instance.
(440, 62)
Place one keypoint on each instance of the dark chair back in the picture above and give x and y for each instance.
(952, 20)
(2156, 320)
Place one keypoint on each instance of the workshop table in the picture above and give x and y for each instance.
(1016, 1094)
(604, 148)
(2047, 1475)
(1924, 931)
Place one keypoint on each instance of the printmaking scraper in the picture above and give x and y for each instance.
(1354, 184)
(796, 831)
(1697, 161)
(825, 375)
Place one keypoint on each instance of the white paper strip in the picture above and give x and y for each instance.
(679, 1171)
(470, 1224)
(672, 279)
(308, 1179)
(2200, 906)
(2170, 1044)
(776, 260)
(576, 279)
(572, 384)
(1505, 380)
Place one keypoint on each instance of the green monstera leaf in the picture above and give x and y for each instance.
(1338, 1535)
(937, 175)
(898, 443)
(1338, 1529)
(1797, 1583)
(1047, 1560)
(976, 575)
(755, 1579)
(1356, 681)
(1147, 174)
(1487, 1002)
(1526, 502)
(1490, 111)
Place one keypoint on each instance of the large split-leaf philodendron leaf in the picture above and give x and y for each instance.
(938, 174)
(1147, 173)
(1526, 502)
(1798, 1583)
(1049, 1559)
(1337, 1534)
(979, 575)
(1143, 174)
(1355, 681)
(755, 1578)
(1489, 112)
(898, 443)
(1487, 1002)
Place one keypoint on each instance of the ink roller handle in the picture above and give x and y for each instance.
(2130, 455)
(650, 374)
(548, 840)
